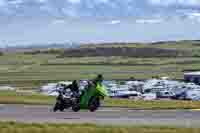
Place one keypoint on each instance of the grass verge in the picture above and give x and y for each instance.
(152, 105)
(12, 127)
(8, 97)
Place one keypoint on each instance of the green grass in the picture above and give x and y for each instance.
(7, 97)
(183, 45)
(12, 127)
(26, 71)
(152, 105)
(37, 99)
(31, 71)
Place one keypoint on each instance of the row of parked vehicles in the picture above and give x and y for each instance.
(91, 94)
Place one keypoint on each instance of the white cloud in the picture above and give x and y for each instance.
(194, 16)
(74, 1)
(15, 2)
(46, 8)
(71, 12)
(189, 2)
(149, 21)
(102, 1)
(2, 3)
(42, 1)
(113, 22)
(175, 2)
(162, 2)
(100, 8)
(58, 21)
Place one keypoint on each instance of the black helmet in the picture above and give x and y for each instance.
(99, 77)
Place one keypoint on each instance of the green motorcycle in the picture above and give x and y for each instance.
(90, 98)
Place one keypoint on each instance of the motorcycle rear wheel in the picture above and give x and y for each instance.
(94, 104)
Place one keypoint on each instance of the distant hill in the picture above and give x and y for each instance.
(153, 44)
(124, 52)
(36, 47)
(184, 48)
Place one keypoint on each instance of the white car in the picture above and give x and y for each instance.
(149, 96)
(165, 94)
(193, 95)
(124, 94)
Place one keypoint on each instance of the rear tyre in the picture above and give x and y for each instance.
(75, 105)
(55, 109)
(94, 104)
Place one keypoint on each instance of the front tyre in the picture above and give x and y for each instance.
(62, 108)
(75, 105)
(56, 107)
(76, 108)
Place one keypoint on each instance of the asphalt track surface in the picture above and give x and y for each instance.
(105, 116)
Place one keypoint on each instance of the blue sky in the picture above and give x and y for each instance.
(44, 21)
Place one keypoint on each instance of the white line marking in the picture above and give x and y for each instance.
(195, 109)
